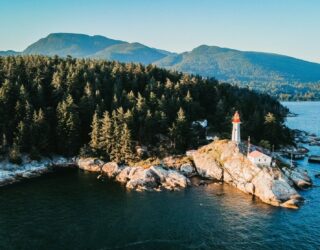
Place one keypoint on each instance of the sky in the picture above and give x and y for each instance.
(289, 27)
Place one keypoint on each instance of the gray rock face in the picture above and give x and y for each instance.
(222, 160)
(299, 177)
(207, 166)
(187, 169)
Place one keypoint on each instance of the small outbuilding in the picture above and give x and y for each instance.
(259, 158)
(202, 123)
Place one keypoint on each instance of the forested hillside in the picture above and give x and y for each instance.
(243, 66)
(55, 105)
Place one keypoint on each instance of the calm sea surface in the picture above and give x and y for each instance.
(71, 209)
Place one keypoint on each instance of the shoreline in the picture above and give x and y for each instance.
(274, 186)
(300, 101)
(11, 173)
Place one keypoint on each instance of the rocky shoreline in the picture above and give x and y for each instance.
(138, 178)
(11, 173)
(274, 185)
(220, 160)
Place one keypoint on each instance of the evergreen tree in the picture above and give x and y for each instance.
(21, 136)
(141, 109)
(173, 132)
(40, 131)
(4, 144)
(149, 127)
(117, 123)
(15, 154)
(68, 127)
(126, 152)
(180, 132)
(129, 119)
(95, 133)
(107, 136)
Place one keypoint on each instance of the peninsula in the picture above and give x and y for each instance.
(135, 123)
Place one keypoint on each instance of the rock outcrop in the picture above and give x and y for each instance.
(299, 177)
(138, 178)
(221, 160)
(90, 164)
(180, 163)
(187, 169)
(111, 169)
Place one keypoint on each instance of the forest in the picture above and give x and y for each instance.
(287, 91)
(67, 106)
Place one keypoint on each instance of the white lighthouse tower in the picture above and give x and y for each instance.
(236, 128)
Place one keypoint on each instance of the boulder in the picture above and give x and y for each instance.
(139, 178)
(299, 177)
(222, 160)
(292, 203)
(170, 179)
(143, 179)
(90, 164)
(269, 189)
(111, 169)
(187, 169)
(153, 178)
(175, 180)
(125, 174)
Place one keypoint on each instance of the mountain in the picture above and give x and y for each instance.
(242, 66)
(76, 45)
(131, 52)
(280, 75)
(9, 53)
(100, 47)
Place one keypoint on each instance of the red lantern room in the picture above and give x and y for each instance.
(236, 118)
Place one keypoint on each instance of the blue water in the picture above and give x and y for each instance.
(71, 209)
(308, 118)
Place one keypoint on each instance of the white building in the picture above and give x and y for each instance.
(236, 128)
(259, 158)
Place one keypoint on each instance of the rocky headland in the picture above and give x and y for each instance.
(221, 161)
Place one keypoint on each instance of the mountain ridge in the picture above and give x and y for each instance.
(260, 70)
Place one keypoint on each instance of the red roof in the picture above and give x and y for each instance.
(236, 117)
(256, 154)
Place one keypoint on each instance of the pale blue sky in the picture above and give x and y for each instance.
(290, 27)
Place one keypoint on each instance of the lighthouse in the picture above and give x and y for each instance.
(236, 128)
